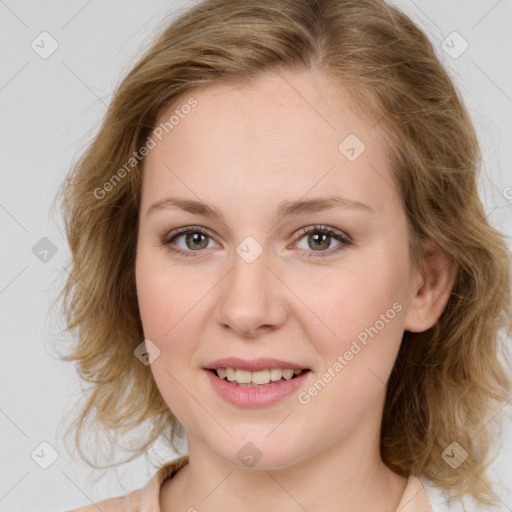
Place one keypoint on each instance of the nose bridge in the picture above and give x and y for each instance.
(250, 295)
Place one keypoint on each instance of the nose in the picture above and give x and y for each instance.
(252, 298)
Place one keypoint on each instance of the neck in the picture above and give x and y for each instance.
(346, 476)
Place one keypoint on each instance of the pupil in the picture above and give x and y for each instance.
(323, 238)
(196, 237)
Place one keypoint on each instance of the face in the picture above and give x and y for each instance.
(271, 238)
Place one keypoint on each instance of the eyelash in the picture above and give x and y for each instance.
(343, 239)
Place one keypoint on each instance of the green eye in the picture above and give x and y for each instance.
(319, 238)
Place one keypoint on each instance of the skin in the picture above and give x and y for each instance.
(244, 150)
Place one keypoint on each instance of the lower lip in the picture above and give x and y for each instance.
(255, 397)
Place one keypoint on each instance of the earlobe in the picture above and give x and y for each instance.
(434, 283)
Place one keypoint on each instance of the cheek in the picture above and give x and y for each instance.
(173, 307)
(364, 311)
(163, 306)
(162, 296)
(353, 301)
(156, 307)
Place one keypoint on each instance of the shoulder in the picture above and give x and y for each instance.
(442, 501)
(145, 499)
(128, 503)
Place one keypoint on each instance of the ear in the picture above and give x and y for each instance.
(433, 284)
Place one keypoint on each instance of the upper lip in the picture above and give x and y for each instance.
(253, 364)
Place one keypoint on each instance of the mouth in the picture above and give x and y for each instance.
(257, 382)
(257, 379)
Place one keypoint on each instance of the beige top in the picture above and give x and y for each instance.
(147, 499)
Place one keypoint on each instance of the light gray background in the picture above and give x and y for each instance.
(49, 110)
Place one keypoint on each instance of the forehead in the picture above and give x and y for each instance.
(285, 131)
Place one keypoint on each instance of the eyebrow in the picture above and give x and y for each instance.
(285, 208)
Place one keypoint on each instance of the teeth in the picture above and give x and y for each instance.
(287, 374)
(276, 374)
(243, 376)
(260, 377)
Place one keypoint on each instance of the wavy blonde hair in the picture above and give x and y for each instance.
(446, 381)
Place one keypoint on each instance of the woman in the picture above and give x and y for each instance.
(278, 245)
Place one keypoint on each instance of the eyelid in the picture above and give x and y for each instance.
(184, 230)
(175, 233)
(325, 229)
(342, 237)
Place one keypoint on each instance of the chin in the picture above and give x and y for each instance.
(258, 453)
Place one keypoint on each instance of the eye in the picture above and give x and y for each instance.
(193, 239)
(319, 239)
